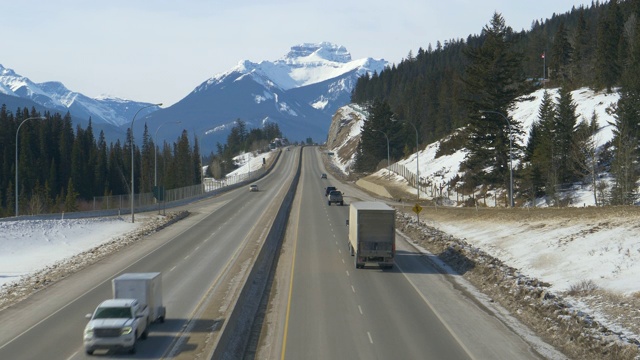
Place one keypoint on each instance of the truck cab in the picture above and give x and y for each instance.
(116, 324)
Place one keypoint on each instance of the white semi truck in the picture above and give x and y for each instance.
(372, 233)
(119, 322)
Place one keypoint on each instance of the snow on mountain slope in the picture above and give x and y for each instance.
(56, 97)
(299, 92)
(442, 169)
(305, 64)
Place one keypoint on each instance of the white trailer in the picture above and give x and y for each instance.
(144, 287)
(372, 233)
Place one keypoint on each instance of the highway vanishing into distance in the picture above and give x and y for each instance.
(320, 305)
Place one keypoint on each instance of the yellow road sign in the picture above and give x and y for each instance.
(417, 208)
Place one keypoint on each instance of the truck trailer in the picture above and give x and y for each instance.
(144, 287)
(372, 234)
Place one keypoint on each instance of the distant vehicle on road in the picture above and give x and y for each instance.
(253, 187)
(335, 197)
(323, 176)
(329, 189)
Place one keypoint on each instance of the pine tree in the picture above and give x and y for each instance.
(493, 80)
(541, 171)
(71, 199)
(564, 125)
(626, 129)
(376, 129)
(607, 65)
(560, 57)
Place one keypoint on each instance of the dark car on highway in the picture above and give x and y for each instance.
(329, 189)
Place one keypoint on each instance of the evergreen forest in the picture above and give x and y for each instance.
(461, 92)
(61, 169)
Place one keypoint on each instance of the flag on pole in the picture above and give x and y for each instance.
(542, 56)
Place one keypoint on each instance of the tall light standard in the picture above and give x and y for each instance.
(17, 131)
(417, 157)
(133, 191)
(155, 154)
(510, 154)
(385, 135)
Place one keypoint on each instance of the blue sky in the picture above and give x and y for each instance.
(159, 51)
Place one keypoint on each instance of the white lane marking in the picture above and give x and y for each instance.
(186, 257)
(173, 268)
(343, 261)
(370, 339)
(436, 313)
(359, 308)
(353, 289)
(340, 251)
(348, 273)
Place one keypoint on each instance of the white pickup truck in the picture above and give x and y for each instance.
(116, 324)
(119, 322)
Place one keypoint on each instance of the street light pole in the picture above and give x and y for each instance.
(510, 154)
(133, 191)
(17, 131)
(385, 135)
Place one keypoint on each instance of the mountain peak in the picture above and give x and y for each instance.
(6, 71)
(324, 50)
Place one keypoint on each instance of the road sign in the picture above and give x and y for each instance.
(417, 208)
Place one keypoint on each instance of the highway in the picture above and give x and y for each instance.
(192, 255)
(325, 308)
(321, 306)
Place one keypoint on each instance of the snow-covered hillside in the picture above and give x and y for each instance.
(439, 171)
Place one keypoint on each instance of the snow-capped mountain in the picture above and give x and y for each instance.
(110, 113)
(300, 92)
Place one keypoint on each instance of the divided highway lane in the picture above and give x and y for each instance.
(192, 254)
(335, 311)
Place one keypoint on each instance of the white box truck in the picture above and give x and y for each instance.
(372, 233)
(119, 322)
(144, 287)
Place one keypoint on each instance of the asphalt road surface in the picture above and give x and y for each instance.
(325, 308)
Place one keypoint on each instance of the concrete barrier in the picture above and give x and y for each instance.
(236, 331)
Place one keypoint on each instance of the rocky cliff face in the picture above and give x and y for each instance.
(344, 135)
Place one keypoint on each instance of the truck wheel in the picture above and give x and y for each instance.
(350, 250)
(329, 202)
(89, 352)
(341, 203)
(132, 350)
(145, 333)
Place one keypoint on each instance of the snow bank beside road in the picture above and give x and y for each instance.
(29, 245)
